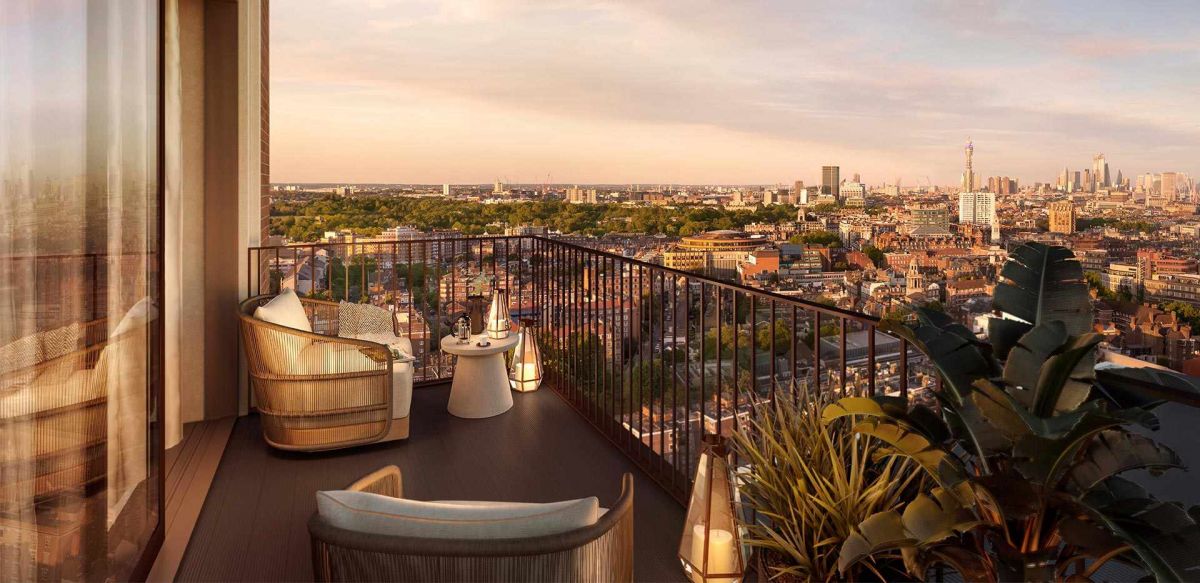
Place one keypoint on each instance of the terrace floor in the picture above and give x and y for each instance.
(253, 526)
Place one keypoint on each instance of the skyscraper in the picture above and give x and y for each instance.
(1100, 171)
(831, 181)
(968, 177)
(1169, 185)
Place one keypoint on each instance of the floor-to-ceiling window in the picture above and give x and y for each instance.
(80, 340)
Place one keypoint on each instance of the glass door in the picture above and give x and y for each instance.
(81, 452)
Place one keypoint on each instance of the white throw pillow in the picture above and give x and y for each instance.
(285, 310)
(137, 317)
(384, 515)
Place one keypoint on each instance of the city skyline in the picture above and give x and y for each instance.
(599, 92)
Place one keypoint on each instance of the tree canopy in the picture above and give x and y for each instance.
(369, 215)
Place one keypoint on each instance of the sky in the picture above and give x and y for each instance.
(721, 92)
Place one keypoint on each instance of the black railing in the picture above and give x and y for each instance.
(653, 357)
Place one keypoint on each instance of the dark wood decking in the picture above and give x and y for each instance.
(253, 525)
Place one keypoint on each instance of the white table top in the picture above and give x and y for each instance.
(450, 344)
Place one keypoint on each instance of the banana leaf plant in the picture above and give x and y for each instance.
(1026, 444)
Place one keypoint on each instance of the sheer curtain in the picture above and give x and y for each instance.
(172, 220)
(80, 347)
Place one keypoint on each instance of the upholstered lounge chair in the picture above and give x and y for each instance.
(316, 390)
(370, 533)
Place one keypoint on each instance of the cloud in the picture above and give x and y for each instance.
(898, 82)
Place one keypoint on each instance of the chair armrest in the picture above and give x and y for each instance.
(385, 481)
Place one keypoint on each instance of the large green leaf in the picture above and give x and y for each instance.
(925, 521)
(1146, 387)
(1045, 455)
(1048, 371)
(1000, 412)
(1164, 535)
(896, 409)
(1114, 451)
(1040, 283)
(941, 465)
(1066, 378)
(1004, 333)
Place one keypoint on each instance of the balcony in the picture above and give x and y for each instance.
(640, 360)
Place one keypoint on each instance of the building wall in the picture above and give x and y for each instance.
(221, 250)
(192, 286)
(1062, 217)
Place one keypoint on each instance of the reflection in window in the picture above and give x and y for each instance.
(79, 349)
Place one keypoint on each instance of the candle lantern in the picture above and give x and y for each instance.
(526, 372)
(710, 548)
(498, 324)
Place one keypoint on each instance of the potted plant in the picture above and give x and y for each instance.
(1027, 444)
(805, 485)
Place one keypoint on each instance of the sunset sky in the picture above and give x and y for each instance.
(728, 91)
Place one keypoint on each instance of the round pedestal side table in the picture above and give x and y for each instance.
(480, 388)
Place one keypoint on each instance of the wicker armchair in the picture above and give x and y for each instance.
(317, 391)
(58, 405)
(602, 551)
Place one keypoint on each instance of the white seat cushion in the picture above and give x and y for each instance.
(332, 358)
(402, 380)
(377, 514)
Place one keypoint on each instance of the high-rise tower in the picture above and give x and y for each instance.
(968, 177)
(831, 181)
(1100, 171)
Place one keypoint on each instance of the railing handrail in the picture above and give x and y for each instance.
(828, 310)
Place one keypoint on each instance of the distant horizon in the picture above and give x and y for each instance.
(469, 92)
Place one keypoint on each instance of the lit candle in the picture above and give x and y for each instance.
(525, 376)
(721, 558)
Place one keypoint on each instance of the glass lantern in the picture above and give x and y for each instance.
(526, 372)
(711, 546)
(498, 324)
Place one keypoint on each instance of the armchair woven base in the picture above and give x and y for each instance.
(602, 552)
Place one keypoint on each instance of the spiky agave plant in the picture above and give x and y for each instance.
(1028, 444)
(808, 484)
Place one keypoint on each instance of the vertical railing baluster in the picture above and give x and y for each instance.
(753, 396)
(817, 351)
(871, 360)
(662, 367)
(718, 391)
(687, 371)
(674, 381)
(643, 336)
(736, 384)
(794, 384)
(703, 354)
(842, 350)
(773, 381)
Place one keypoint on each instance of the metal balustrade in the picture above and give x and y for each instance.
(652, 357)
